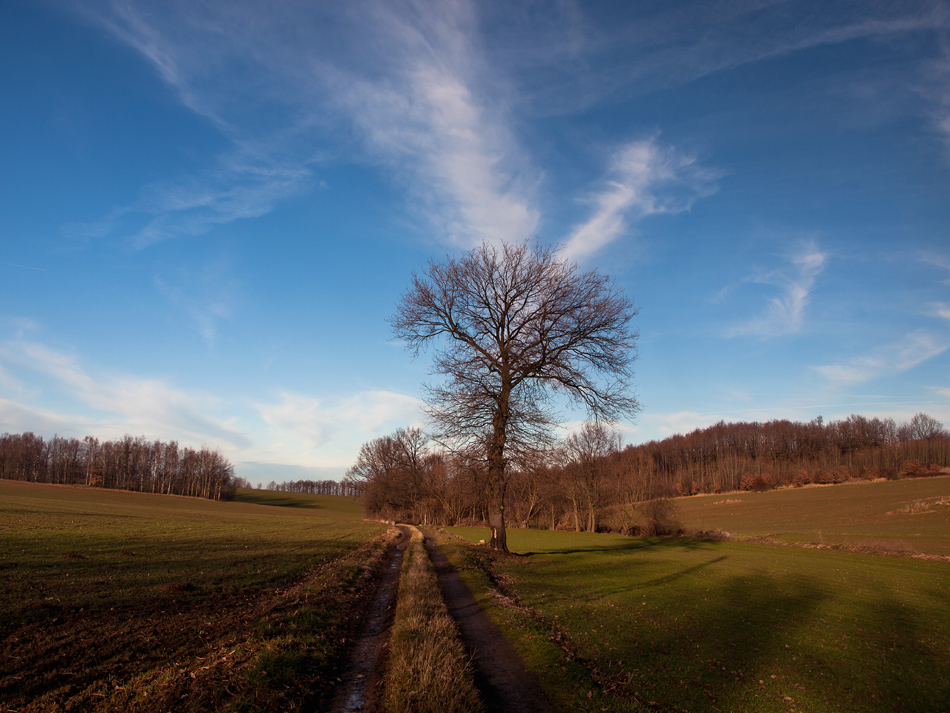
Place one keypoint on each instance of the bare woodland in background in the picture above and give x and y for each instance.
(128, 464)
(591, 483)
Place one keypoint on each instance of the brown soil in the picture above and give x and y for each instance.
(500, 674)
(182, 650)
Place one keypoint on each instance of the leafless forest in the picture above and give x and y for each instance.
(128, 464)
(589, 482)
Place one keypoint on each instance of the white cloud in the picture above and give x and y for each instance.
(431, 95)
(431, 114)
(940, 309)
(241, 187)
(125, 404)
(916, 348)
(47, 391)
(640, 178)
(416, 93)
(671, 44)
(784, 314)
(17, 418)
(305, 429)
(679, 422)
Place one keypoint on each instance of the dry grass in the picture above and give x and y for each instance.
(428, 668)
(913, 512)
(919, 507)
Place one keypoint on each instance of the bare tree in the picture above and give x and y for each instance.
(923, 427)
(392, 469)
(586, 455)
(515, 326)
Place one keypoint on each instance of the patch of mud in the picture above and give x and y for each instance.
(362, 677)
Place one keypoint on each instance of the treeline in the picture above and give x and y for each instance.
(311, 487)
(127, 464)
(589, 482)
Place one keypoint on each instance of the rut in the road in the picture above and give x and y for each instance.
(363, 673)
(504, 682)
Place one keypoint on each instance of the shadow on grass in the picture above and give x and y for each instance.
(629, 544)
(268, 497)
(704, 626)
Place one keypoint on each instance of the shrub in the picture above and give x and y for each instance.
(803, 478)
(911, 468)
(659, 518)
(758, 482)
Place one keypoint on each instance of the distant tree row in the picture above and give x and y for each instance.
(312, 487)
(126, 464)
(589, 482)
(741, 456)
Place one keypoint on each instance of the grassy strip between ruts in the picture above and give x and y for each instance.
(693, 625)
(428, 669)
(567, 681)
(131, 602)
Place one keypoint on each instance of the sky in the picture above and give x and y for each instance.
(209, 210)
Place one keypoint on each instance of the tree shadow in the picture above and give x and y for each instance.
(720, 635)
(633, 544)
(280, 501)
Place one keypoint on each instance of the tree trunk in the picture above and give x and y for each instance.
(499, 537)
(496, 474)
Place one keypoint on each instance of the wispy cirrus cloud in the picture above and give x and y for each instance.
(440, 113)
(240, 188)
(435, 91)
(936, 87)
(205, 296)
(939, 261)
(645, 178)
(418, 97)
(916, 348)
(650, 47)
(940, 309)
(784, 313)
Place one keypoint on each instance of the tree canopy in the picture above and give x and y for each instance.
(513, 326)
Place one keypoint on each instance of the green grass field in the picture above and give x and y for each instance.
(335, 506)
(903, 514)
(730, 626)
(126, 601)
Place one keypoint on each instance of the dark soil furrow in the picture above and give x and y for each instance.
(505, 684)
(362, 676)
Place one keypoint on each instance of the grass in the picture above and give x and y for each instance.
(130, 601)
(699, 625)
(565, 680)
(428, 670)
(335, 506)
(912, 514)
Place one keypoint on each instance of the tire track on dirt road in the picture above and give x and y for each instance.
(362, 677)
(500, 674)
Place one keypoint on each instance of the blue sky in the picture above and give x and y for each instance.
(208, 210)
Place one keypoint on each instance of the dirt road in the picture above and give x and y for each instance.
(504, 682)
(362, 677)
